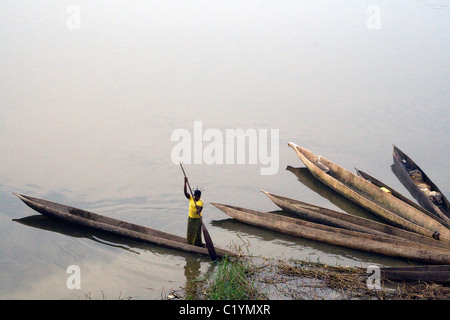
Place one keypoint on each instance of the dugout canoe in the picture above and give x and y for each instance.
(337, 236)
(338, 219)
(370, 197)
(345, 205)
(309, 212)
(404, 164)
(428, 273)
(444, 221)
(113, 226)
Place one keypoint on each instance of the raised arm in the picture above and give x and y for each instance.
(186, 193)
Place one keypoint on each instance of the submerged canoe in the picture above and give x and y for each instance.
(404, 165)
(370, 197)
(337, 236)
(429, 273)
(114, 226)
(338, 219)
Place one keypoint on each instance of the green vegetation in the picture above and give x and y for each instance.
(251, 278)
(234, 279)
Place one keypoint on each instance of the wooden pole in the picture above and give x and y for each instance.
(208, 240)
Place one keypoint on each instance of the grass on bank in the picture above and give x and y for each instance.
(245, 279)
(234, 279)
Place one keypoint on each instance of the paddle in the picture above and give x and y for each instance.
(208, 241)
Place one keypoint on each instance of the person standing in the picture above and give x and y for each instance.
(194, 225)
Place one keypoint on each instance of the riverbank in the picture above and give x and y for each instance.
(259, 278)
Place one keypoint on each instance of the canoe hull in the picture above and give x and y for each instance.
(339, 219)
(113, 226)
(336, 236)
(398, 195)
(430, 274)
(370, 197)
(401, 167)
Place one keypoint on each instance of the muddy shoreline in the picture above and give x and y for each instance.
(286, 279)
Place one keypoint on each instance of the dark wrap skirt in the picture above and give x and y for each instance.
(194, 231)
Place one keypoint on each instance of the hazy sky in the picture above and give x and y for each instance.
(99, 79)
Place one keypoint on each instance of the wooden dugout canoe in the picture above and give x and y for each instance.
(370, 197)
(404, 165)
(398, 195)
(113, 226)
(428, 273)
(305, 177)
(337, 236)
(343, 220)
(317, 214)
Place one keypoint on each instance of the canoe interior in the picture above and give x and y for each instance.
(372, 198)
(340, 174)
(408, 164)
(403, 164)
(394, 192)
(401, 197)
(349, 180)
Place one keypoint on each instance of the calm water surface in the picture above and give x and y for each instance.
(87, 111)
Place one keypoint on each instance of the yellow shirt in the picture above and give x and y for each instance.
(192, 209)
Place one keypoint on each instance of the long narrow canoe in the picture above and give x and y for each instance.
(337, 236)
(404, 166)
(345, 205)
(113, 226)
(321, 215)
(338, 219)
(434, 273)
(370, 197)
(444, 220)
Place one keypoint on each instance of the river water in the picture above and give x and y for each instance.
(91, 94)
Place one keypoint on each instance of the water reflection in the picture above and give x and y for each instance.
(45, 223)
(192, 273)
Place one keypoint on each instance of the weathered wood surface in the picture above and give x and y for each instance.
(403, 164)
(372, 198)
(431, 274)
(399, 248)
(334, 218)
(398, 195)
(114, 226)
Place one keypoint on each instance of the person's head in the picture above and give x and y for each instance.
(197, 195)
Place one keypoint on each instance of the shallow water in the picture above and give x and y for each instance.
(87, 112)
